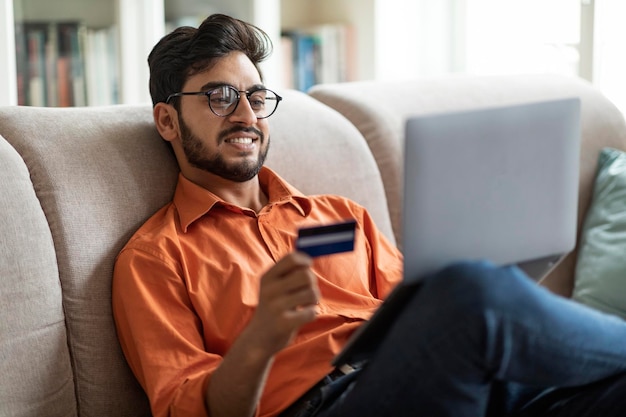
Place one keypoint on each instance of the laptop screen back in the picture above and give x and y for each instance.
(499, 184)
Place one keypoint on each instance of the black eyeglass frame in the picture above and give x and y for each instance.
(248, 93)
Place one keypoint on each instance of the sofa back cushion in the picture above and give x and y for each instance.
(380, 109)
(98, 173)
(320, 152)
(35, 370)
(101, 172)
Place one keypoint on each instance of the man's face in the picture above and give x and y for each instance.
(232, 147)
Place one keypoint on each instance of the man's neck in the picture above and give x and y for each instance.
(248, 194)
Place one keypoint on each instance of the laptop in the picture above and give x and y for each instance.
(497, 183)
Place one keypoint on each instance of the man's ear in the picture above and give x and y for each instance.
(166, 121)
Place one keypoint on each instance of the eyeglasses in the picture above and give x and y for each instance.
(223, 100)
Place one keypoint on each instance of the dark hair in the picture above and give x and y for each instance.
(187, 51)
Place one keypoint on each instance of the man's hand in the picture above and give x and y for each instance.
(287, 300)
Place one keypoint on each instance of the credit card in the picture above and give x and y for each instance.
(327, 239)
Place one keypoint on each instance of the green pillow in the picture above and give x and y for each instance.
(600, 279)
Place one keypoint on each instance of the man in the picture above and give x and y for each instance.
(218, 314)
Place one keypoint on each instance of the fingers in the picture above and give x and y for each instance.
(287, 300)
(290, 263)
(291, 283)
(290, 286)
(301, 315)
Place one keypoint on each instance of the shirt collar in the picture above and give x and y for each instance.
(193, 201)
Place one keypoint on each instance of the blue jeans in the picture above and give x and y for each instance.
(477, 340)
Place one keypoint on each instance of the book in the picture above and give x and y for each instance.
(35, 78)
(51, 56)
(303, 58)
(286, 50)
(101, 72)
(70, 80)
(21, 63)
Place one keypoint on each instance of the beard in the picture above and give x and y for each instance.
(199, 156)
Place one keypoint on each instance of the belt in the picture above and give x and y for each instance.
(343, 370)
(312, 399)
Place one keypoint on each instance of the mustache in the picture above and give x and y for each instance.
(236, 129)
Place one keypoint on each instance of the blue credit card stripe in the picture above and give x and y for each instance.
(332, 228)
(319, 250)
(325, 239)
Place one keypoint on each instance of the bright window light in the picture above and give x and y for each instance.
(609, 67)
(522, 36)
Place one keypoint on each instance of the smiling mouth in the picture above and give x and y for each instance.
(240, 141)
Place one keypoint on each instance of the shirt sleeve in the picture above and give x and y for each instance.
(387, 261)
(160, 334)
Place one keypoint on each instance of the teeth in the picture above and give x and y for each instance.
(245, 141)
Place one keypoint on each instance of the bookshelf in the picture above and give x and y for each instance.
(77, 52)
(123, 32)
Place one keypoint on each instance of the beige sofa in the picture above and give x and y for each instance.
(76, 183)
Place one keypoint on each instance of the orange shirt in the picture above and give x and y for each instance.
(187, 283)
